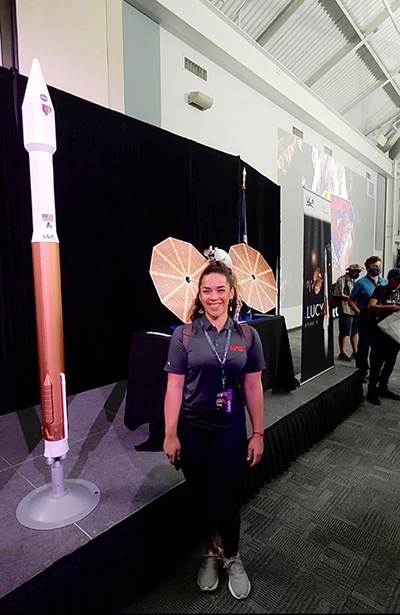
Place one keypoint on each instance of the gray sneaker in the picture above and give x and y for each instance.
(238, 581)
(208, 579)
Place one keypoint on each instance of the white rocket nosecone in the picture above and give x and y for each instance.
(38, 113)
(39, 129)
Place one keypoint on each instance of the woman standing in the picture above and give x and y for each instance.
(214, 368)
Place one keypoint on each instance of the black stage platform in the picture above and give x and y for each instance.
(143, 521)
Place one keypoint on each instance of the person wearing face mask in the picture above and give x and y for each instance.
(358, 301)
(347, 317)
(384, 349)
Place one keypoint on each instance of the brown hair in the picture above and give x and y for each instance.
(216, 267)
(371, 261)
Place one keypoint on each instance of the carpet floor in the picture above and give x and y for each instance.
(322, 538)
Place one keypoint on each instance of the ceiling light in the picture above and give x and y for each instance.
(380, 139)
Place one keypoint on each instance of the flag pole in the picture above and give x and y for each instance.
(244, 173)
(244, 238)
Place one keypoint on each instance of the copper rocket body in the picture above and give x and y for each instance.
(40, 142)
(49, 325)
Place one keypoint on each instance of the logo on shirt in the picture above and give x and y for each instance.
(238, 348)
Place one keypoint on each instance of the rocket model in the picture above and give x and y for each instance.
(63, 501)
(40, 141)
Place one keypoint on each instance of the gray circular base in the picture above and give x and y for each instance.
(41, 510)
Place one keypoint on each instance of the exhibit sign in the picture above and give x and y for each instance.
(317, 323)
(342, 225)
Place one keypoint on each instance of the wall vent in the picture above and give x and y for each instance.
(194, 68)
(327, 150)
(297, 132)
(370, 188)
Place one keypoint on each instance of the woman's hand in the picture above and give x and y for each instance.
(254, 397)
(255, 449)
(172, 448)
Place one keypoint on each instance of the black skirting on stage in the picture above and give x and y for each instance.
(121, 563)
(295, 433)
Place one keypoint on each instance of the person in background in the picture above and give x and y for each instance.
(211, 376)
(347, 317)
(385, 300)
(358, 302)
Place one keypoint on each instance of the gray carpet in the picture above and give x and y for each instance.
(322, 538)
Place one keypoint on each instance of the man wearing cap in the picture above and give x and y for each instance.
(347, 316)
(384, 349)
(358, 301)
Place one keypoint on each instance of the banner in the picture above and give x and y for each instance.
(317, 326)
(342, 225)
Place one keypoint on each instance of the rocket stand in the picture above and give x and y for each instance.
(59, 503)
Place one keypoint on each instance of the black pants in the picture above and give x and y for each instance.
(364, 343)
(384, 351)
(212, 461)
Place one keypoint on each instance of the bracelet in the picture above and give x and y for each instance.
(258, 433)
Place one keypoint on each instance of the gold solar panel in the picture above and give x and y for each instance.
(255, 277)
(175, 269)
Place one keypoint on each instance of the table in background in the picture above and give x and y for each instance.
(147, 380)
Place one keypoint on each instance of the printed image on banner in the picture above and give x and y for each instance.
(342, 223)
(317, 326)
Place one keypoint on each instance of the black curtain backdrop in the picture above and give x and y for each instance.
(121, 186)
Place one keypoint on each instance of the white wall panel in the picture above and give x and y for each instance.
(78, 44)
(243, 122)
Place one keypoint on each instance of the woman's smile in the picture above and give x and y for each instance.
(215, 295)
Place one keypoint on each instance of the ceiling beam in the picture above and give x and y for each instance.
(352, 45)
(363, 95)
(381, 17)
(237, 15)
(381, 83)
(374, 56)
(346, 50)
(385, 127)
(279, 21)
(395, 150)
(371, 130)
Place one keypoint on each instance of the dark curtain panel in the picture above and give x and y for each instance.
(9, 35)
(121, 186)
(263, 215)
(19, 371)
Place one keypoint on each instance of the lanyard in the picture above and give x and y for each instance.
(213, 348)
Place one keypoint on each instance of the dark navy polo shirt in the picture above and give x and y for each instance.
(202, 368)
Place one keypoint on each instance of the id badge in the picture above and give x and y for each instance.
(224, 401)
